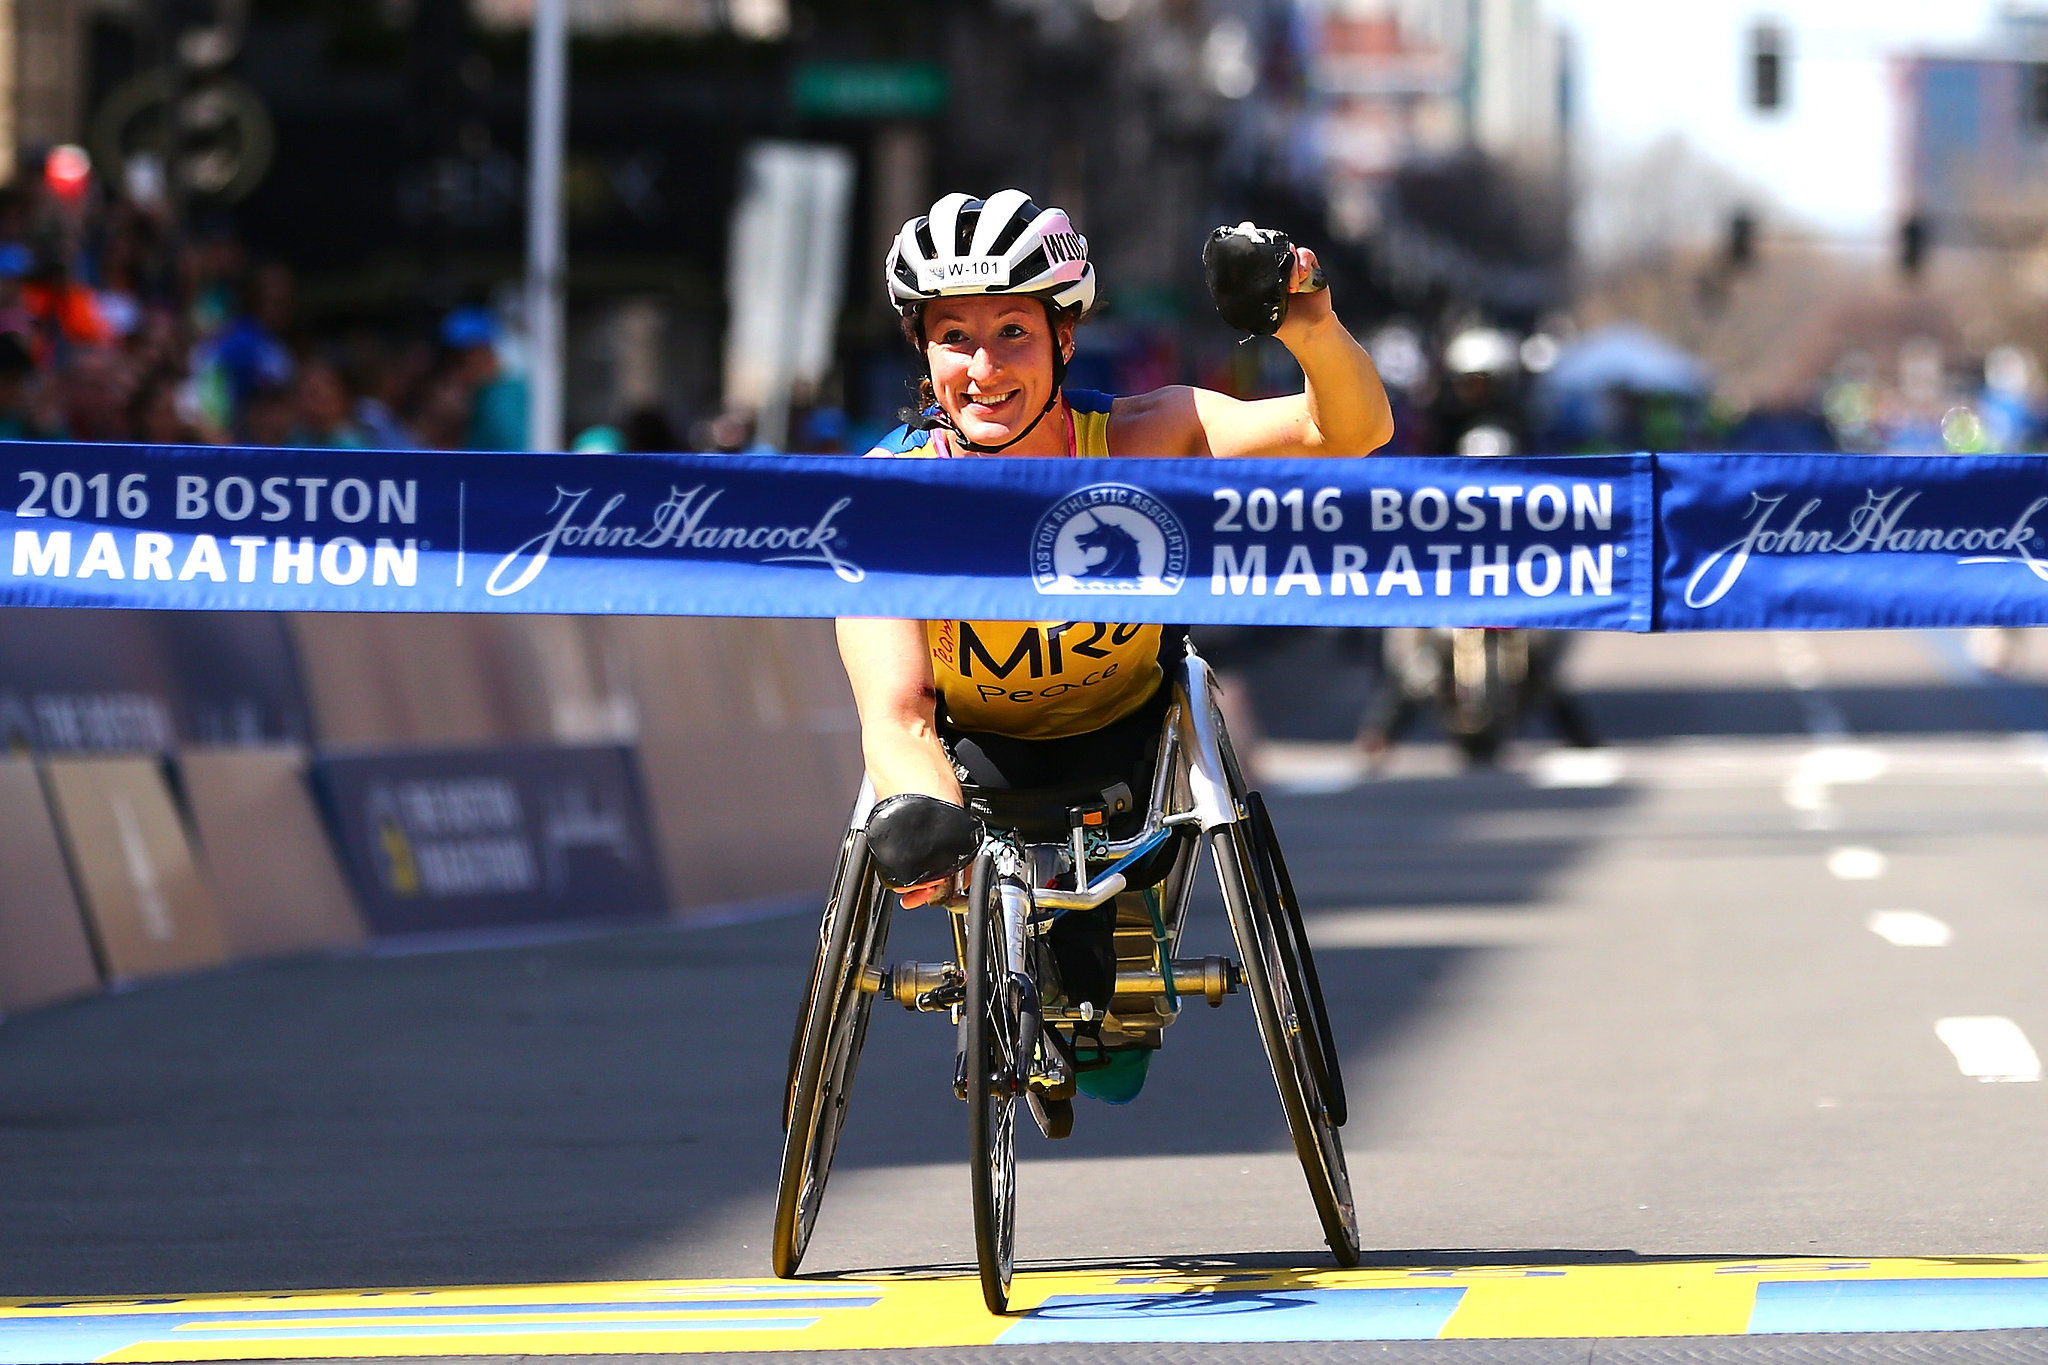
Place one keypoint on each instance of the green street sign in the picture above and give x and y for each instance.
(870, 89)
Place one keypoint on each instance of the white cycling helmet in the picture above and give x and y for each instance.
(1004, 244)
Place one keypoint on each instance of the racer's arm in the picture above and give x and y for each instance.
(890, 667)
(1342, 409)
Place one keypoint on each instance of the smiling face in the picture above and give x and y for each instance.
(991, 362)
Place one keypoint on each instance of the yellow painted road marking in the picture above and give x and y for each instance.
(1668, 1298)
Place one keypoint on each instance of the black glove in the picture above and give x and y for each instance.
(917, 839)
(1248, 268)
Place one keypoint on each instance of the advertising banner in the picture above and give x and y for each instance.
(1837, 542)
(1386, 541)
(83, 682)
(470, 838)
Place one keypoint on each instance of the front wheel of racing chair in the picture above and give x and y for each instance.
(1278, 971)
(831, 1026)
(998, 1034)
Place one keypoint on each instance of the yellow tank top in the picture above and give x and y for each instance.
(1038, 679)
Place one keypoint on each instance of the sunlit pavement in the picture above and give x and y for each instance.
(1624, 1033)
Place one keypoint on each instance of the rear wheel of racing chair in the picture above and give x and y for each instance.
(826, 1049)
(996, 1017)
(1293, 1023)
(1299, 959)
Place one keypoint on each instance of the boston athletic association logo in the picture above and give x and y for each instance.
(1109, 538)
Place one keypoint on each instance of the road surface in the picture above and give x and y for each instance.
(1761, 979)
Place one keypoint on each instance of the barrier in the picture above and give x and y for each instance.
(750, 750)
(1671, 542)
(148, 908)
(266, 854)
(45, 956)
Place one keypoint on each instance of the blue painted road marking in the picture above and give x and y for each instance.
(1241, 1315)
(88, 1336)
(1929, 1305)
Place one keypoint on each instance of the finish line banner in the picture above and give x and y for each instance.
(1672, 542)
(1565, 542)
(1840, 542)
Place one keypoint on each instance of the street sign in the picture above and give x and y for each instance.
(855, 90)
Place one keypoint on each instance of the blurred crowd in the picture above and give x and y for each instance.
(116, 327)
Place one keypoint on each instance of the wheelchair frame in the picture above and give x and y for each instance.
(1011, 1044)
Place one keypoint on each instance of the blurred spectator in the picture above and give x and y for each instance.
(63, 311)
(647, 430)
(18, 419)
(323, 410)
(378, 381)
(156, 416)
(822, 432)
(15, 261)
(497, 401)
(97, 388)
(726, 434)
(440, 416)
(113, 327)
(269, 416)
(602, 439)
(252, 352)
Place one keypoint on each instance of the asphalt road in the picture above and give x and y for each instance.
(1593, 1009)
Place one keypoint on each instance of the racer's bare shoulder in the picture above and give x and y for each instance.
(1163, 423)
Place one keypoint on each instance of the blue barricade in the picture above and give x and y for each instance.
(1673, 542)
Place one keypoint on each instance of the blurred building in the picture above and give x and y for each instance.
(1440, 128)
(1794, 112)
(1976, 139)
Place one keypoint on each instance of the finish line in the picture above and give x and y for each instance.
(669, 1317)
(1634, 542)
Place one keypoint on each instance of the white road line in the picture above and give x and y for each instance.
(1989, 1047)
(1576, 768)
(1854, 863)
(1909, 929)
(1444, 926)
(1808, 789)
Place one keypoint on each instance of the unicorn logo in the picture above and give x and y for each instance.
(1119, 557)
(1109, 538)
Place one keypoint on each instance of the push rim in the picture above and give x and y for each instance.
(827, 1048)
(1316, 1144)
(1300, 962)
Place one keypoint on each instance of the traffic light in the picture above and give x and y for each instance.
(1741, 239)
(67, 170)
(1914, 235)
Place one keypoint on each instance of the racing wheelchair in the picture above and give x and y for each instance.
(1021, 1041)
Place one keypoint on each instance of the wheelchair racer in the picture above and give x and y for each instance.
(989, 293)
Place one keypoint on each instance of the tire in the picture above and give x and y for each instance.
(826, 1049)
(1304, 986)
(1258, 926)
(990, 1036)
